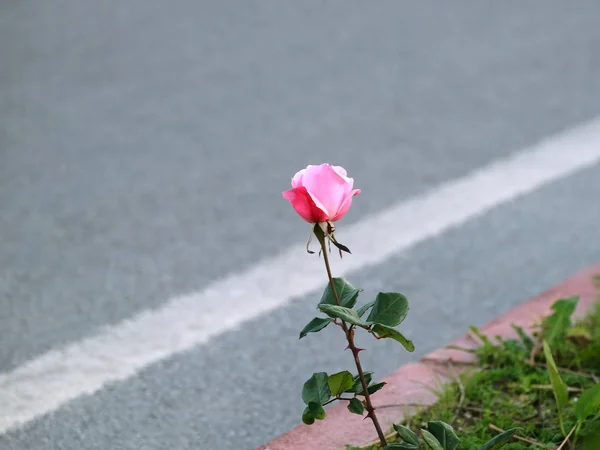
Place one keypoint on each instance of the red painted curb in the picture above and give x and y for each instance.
(415, 383)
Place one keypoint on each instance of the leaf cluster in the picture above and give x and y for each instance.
(321, 389)
(386, 312)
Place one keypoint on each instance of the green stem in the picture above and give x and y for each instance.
(575, 436)
(560, 422)
(578, 427)
(350, 338)
(336, 398)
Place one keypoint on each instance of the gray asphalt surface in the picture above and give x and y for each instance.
(144, 147)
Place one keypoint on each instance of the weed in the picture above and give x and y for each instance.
(533, 383)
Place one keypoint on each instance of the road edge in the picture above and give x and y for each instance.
(414, 383)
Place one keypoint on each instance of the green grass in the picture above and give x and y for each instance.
(506, 391)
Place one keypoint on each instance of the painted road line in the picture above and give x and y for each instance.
(45, 383)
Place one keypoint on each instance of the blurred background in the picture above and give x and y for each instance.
(144, 146)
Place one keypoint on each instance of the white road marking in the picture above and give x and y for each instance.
(45, 383)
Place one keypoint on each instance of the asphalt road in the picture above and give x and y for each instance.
(144, 147)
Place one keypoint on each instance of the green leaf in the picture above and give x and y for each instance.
(588, 403)
(364, 308)
(316, 410)
(346, 292)
(431, 441)
(340, 382)
(591, 440)
(499, 441)
(390, 309)
(481, 336)
(557, 325)
(356, 406)
(383, 331)
(580, 332)
(317, 324)
(559, 387)
(345, 314)
(525, 339)
(445, 434)
(307, 417)
(406, 434)
(357, 388)
(375, 387)
(401, 446)
(316, 389)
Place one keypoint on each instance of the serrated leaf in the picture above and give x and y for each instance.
(401, 446)
(561, 393)
(340, 382)
(375, 387)
(588, 403)
(406, 434)
(499, 441)
(356, 406)
(317, 324)
(557, 324)
(316, 410)
(357, 388)
(316, 389)
(431, 441)
(364, 308)
(348, 294)
(390, 309)
(383, 331)
(346, 314)
(445, 434)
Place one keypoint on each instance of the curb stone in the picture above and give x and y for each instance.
(415, 383)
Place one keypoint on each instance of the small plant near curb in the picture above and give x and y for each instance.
(539, 392)
(321, 195)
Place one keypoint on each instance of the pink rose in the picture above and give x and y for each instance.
(321, 193)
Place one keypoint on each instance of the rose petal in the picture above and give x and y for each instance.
(297, 179)
(327, 187)
(304, 205)
(342, 172)
(345, 206)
